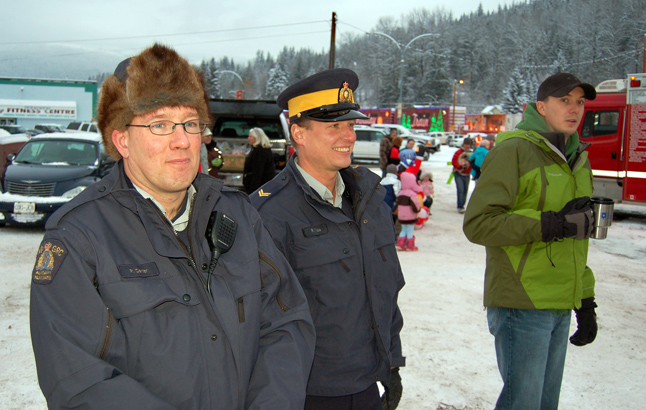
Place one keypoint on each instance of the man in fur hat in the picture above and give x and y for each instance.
(130, 308)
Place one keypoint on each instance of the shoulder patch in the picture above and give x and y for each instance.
(51, 254)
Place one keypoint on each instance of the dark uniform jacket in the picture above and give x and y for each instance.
(123, 319)
(350, 272)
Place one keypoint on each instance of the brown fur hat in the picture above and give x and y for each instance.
(157, 77)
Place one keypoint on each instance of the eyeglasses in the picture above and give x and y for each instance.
(168, 127)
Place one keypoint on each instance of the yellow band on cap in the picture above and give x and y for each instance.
(316, 99)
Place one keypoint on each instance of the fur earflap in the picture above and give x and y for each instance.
(157, 77)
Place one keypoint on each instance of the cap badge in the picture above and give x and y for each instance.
(345, 94)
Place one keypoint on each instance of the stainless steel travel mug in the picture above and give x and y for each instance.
(603, 209)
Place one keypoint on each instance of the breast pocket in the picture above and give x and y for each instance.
(130, 297)
(320, 253)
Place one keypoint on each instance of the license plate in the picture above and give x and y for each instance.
(24, 207)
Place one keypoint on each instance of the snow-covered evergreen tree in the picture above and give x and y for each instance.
(277, 82)
(213, 85)
(515, 94)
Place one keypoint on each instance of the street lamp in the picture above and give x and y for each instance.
(402, 51)
(455, 92)
(235, 75)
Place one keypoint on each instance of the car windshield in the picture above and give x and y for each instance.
(57, 152)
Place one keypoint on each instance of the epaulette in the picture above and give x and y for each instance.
(95, 191)
(262, 195)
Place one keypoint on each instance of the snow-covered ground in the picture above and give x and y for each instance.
(451, 362)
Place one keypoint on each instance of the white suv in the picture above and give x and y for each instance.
(82, 126)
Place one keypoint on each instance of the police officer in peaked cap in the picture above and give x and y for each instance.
(332, 224)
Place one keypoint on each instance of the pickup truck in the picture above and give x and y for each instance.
(232, 120)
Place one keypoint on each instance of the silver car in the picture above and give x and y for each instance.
(366, 146)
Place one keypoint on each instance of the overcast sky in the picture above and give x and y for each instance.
(200, 29)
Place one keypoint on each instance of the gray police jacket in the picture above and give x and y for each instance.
(349, 270)
(121, 319)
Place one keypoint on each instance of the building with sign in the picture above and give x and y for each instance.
(428, 119)
(28, 102)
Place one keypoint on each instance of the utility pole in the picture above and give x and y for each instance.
(644, 56)
(333, 40)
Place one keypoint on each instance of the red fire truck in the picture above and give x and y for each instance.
(615, 124)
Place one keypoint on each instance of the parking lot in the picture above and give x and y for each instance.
(450, 356)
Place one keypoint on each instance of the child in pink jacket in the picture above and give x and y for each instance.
(408, 205)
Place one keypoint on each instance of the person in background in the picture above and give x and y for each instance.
(129, 308)
(215, 157)
(204, 155)
(476, 159)
(393, 157)
(393, 185)
(385, 146)
(408, 206)
(331, 222)
(259, 164)
(426, 182)
(461, 172)
(531, 209)
(408, 154)
(492, 141)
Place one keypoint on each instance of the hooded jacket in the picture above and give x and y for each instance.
(125, 321)
(408, 202)
(527, 174)
(350, 273)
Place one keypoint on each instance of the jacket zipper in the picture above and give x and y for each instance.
(367, 201)
(108, 336)
(241, 317)
(181, 244)
(275, 269)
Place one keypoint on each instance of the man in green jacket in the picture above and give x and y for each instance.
(531, 209)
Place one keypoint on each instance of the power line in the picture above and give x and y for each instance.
(161, 35)
(174, 45)
(354, 27)
(571, 64)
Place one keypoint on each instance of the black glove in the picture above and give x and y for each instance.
(392, 393)
(586, 321)
(575, 220)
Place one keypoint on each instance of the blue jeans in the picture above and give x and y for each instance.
(530, 347)
(408, 230)
(462, 185)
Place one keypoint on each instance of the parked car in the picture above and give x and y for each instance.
(89, 126)
(401, 130)
(441, 136)
(425, 146)
(9, 145)
(455, 140)
(232, 120)
(14, 129)
(49, 127)
(367, 144)
(431, 143)
(48, 172)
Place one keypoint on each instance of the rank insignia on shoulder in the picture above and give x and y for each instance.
(49, 258)
(263, 193)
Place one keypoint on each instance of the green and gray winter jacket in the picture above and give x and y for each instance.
(523, 176)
